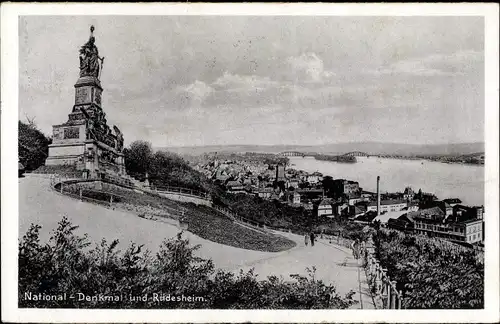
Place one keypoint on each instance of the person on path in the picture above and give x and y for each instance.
(312, 238)
(354, 248)
(306, 239)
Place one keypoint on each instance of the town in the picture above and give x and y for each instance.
(268, 177)
(220, 184)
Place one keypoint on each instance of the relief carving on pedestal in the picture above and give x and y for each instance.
(57, 135)
(98, 97)
(72, 132)
(81, 96)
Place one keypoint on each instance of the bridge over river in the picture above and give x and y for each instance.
(357, 153)
(302, 154)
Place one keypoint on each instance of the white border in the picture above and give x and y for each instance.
(9, 87)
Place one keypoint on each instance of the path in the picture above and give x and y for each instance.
(40, 205)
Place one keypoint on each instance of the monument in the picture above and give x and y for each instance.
(85, 140)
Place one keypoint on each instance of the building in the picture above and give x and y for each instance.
(310, 193)
(387, 205)
(325, 208)
(356, 211)
(235, 187)
(344, 187)
(413, 206)
(221, 175)
(408, 194)
(313, 178)
(446, 208)
(354, 198)
(469, 231)
(384, 218)
(280, 172)
(404, 223)
(368, 195)
(461, 212)
(296, 198)
(452, 201)
(465, 225)
(85, 140)
(294, 183)
(265, 193)
(340, 208)
(434, 212)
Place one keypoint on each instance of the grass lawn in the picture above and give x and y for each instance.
(203, 221)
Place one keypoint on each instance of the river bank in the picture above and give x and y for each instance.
(439, 160)
(446, 180)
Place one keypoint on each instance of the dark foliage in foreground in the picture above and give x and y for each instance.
(432, 274)
(68, 265)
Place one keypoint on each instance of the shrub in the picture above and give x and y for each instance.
(67, 266)
(431, 274)
(33, 145)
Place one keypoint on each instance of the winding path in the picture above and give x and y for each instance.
(38, 204)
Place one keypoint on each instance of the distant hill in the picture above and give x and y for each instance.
(339, 148)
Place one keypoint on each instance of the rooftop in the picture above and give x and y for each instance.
(359, 210)
(325, 202)
(347, 181)
(470, 221)
(384, 218)
(387, 202)
(233, 183)
(452, 201)
(428, 213)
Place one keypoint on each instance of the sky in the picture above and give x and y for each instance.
(298, 80)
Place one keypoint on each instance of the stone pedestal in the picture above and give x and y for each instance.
(85, 140)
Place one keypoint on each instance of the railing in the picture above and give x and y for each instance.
(65, 189)
(115, 200)
(65, 182)
(184, 191)
(337, 239)
(384, 290)
(225, 211)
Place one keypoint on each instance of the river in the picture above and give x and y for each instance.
(444, 180)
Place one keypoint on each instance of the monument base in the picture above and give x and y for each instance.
(85, 142)
(92, 157)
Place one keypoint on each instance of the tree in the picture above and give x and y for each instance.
(169, 169)
(33, 145)
(304, 185)
(137, 158)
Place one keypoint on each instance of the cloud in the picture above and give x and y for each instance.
(454, 64)
(197, 91)
(235, 82)
(309, 67)
(412, 67)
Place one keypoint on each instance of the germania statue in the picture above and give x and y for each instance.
(90, 61)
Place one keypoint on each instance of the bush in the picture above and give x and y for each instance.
(33, 146)
(67, 266)
(431, 274)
